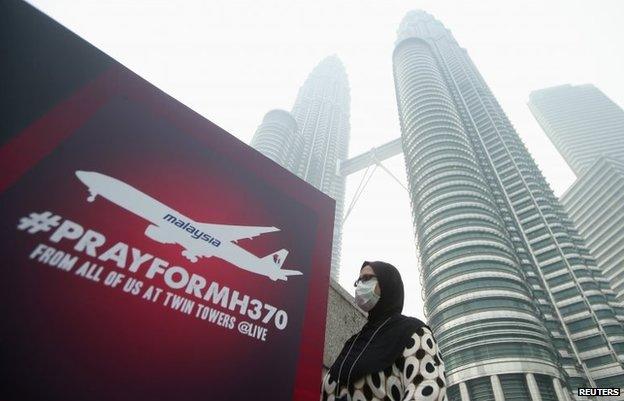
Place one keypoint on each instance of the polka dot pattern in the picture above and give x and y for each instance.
(417, 375)
(427, 343)
(428, 390)
(415, 346)
(394, 388)
(377, 383)
(428, 368)
(411, 369)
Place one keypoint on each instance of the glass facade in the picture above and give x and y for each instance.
(588, 130)
(322, 113)
(509, 286)
(582, 123)
(278, 138)
(596, 204)
(313, 139)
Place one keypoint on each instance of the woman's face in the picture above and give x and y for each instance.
(368, 271)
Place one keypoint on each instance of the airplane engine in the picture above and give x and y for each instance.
(158, 234)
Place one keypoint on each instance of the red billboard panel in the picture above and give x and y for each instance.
(148, 254)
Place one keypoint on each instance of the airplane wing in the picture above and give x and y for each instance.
(235, 233)
(165, 235)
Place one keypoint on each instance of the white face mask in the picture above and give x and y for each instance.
(365, 296)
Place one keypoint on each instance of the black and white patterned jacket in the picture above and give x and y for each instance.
(416, 375)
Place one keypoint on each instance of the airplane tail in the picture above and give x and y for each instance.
(276, 258)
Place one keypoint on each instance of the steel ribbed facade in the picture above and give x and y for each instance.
(509, 287)
(596, 204)
(313, 139)
(278, 138)
(588, 129)
(322, 113)
(581, 121)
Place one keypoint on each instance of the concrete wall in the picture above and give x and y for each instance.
(344, 319)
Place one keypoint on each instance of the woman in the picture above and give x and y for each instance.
(393, 357)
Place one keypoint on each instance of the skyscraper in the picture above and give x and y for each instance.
(588, 129)
(516, 302)
(581, 121)
(278, 138)
(596, 204)
(321, 140)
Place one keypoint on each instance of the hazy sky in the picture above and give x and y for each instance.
(232, 61)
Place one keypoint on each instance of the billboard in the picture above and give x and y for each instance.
(147, 253)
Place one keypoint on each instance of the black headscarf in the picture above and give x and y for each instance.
(394, 331)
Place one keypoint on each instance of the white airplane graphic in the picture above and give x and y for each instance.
(198, 239)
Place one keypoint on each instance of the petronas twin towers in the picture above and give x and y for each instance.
(516, 301)
(519, 307)
(313, 139)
